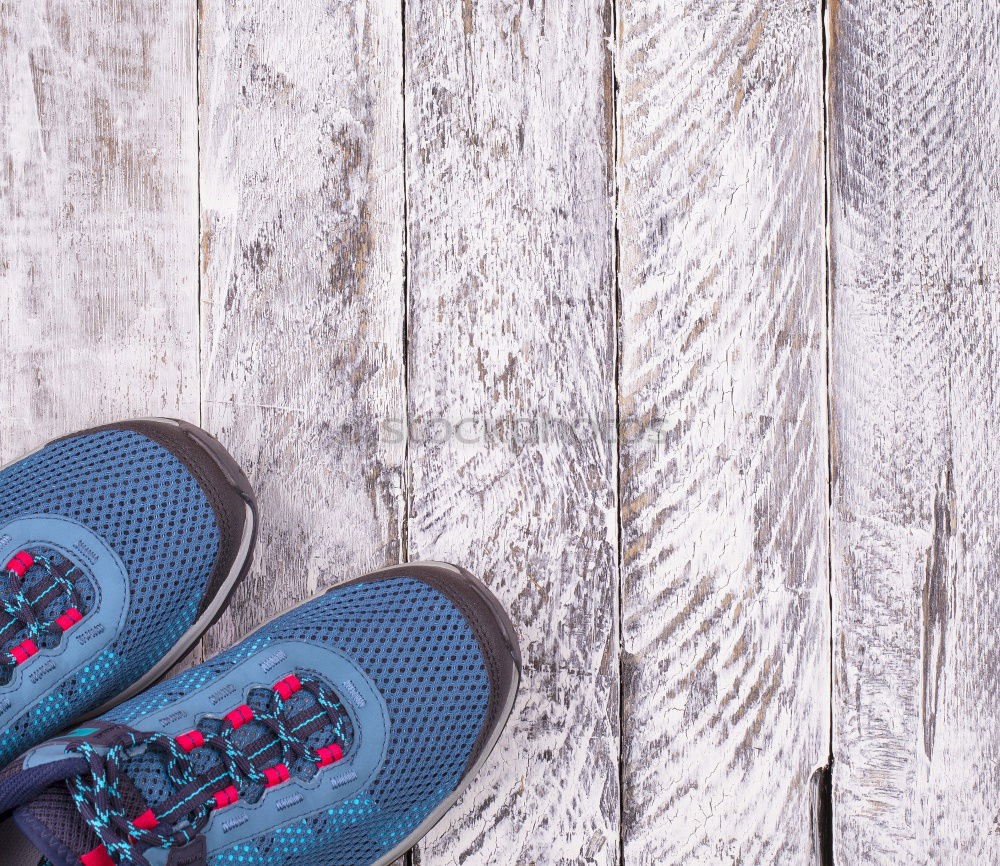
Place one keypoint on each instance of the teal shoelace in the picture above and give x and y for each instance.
(24, 604)
(209, 770)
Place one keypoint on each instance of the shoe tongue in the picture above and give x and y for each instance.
(20, 784)
(18, 849)
(53, 825)
(42, 806)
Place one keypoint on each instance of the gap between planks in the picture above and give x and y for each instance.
(823, 817)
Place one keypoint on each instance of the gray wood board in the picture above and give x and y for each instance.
(723, 431)
(511, 330)
(915, 159)
(302, 284)
(98, 251)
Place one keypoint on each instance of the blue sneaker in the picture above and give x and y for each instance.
(121, 544)
(336, 735)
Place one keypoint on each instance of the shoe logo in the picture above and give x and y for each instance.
(190, 855)
(46, 668)
(353, 694)
(87, 636)
(173, 717)
(233, 823)
(288, 802)
(86, 553)
(273, 661)
(343, 777)
(222, 694)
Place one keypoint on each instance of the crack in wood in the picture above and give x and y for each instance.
(935, 603)
(821, 814)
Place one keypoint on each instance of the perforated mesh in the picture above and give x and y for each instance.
(423, 657)
(149, 509)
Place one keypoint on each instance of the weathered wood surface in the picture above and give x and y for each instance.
(511, 323)
(915, 158)
(302, 283)
(723, 431)
(98, 215)
(310, 347)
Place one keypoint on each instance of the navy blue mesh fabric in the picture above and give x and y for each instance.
(150, 510)
(422, 655)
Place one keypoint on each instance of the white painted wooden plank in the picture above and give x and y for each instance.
(302, 232)
(915, 236)
(511, 326)
(98, 236)
(723, 430)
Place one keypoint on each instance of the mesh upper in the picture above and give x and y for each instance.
(424, 659)
(151, 511)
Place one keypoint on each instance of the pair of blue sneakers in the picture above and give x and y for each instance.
(335, 735)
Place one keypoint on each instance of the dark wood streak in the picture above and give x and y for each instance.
(935, 607)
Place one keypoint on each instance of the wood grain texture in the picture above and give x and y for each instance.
(723, 432)
(511, 394)
(98, 261)
(302, 233)
(915, 158)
